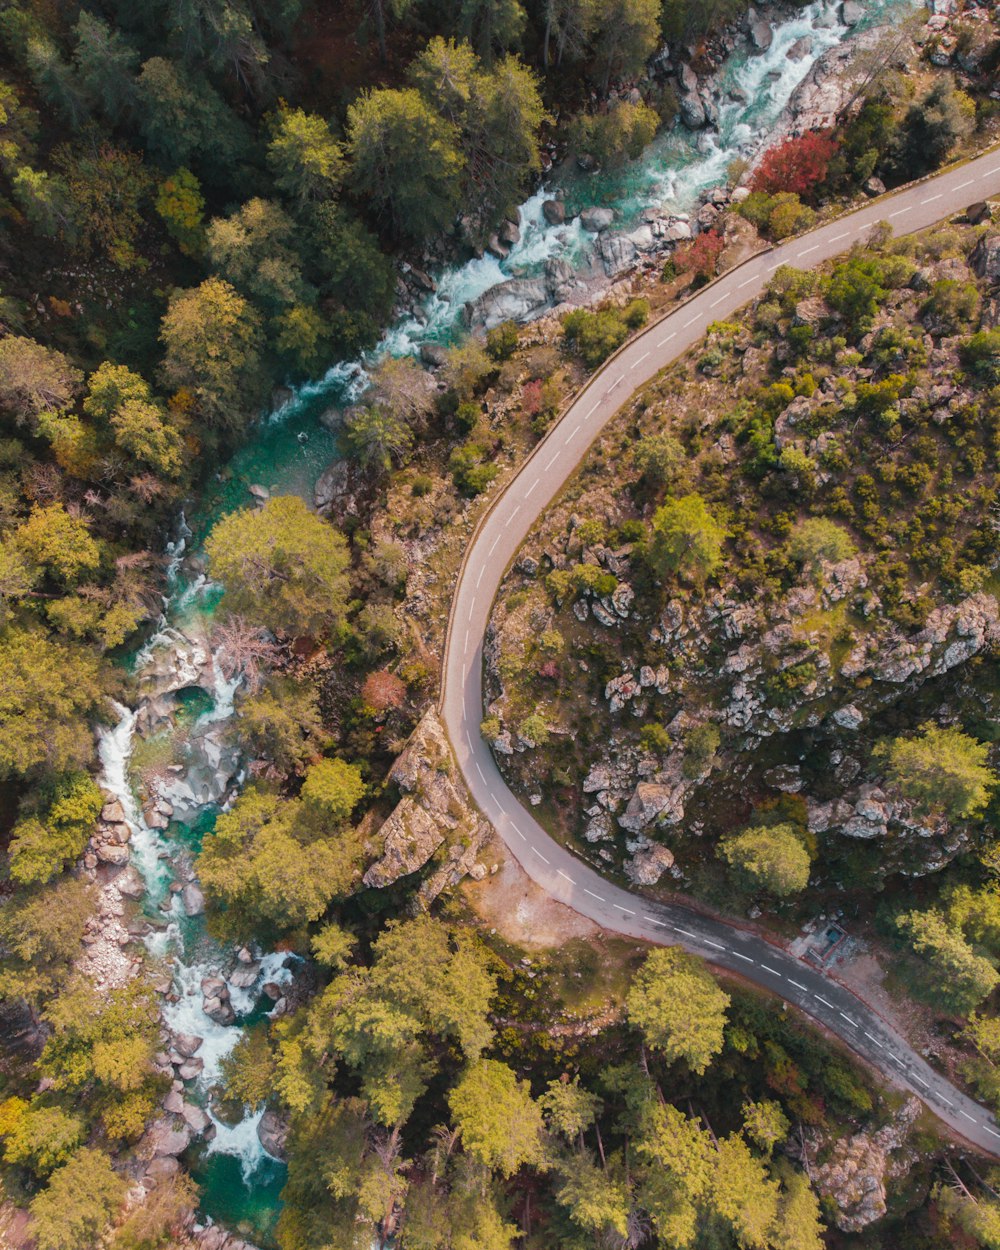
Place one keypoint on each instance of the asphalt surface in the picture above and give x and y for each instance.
(494, 545)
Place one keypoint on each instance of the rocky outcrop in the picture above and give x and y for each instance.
(854, 1177)
(343, 488)
(433, 809)
(648, 863)
(272, 1132)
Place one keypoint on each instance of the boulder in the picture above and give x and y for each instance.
(340, 488)
(651, 803)
(497, 247)
(130, 883)
(617, 252)
(165, 1137)
(174, 1103)
(192, 900)
(273, 1133)
(855, 1170)
(195, 1118)
(112, 853)
(692, 110)
(162, 1168)
(649, 864)
(687, 79)
(190, 1068)
(985, 258)
(113, 813)
(873, 187)
(509, 233)
(554, 212)
(514, 300)
(596, 219)
(187, 1044)
(851, 12)
(977, 213)
(244, 975)
(800, 49)
(433, 354)
(761, 34)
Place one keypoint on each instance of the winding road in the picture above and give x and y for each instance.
(497, 538)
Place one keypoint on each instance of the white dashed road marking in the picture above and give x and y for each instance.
(746, 282)
(821, 999)
(874, 1039)
(852, 1023)
(599, 897)
(527, 493)
(967, 183)
(667, 339)
(482, 775)
(990, 172)
(895, 1059)
(773, 971)
(560, 872)
(917, 1077)
(638, 362)
(465, 645)
(687, 933)
(806, 250)
(495, 541)
(652, 920)
(843, 235)
(947, 1101)
(745, 958)
(624, 909)
(796, 984)
(967, 1116)
(990, 1131)
(717, 945)
(539, 854)
(900, 211)
(555, 457)
(930, 200)
(717, 301)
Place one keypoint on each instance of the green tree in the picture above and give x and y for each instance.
(616, 137)
(254, 250)
(931, 128)
(248, 1071)
(306, 160)
(376, 436)
(625, 37)
(332, 946)
(405, 161)
(184, 121)
(941, 771)
(283, 566)
(569, 1109)
(106, 65)
(598, 1199)
(660, 458)
(769, 857)
(958, 978)
(40, 933)
(42, 1138)
(334, 787)
(282, 725)
(568, 26)
(677, 1162)
(58, 543)
(491, 25)
(38, 850)
(978, 1217)
(818, 539)
(686, 540)
(181, 205)
(267, 862)
(856, 290)
(123, 400)
(678, 1007)
(74, 1211)
(357, 280)
(48, 693)
(498, 1121)
(212, 338)
(34, 379)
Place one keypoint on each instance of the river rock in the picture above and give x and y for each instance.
(692, 110)
(195, 1118)
(272, 1131)
(260, 493)
(497, 248)
(162, 1168)
(761, 34)
(617, 252)
(216, 1004)
(174, 1103)
(800, 49)
(187, 1044)
(113, 813)
(112, 853)
(509, 233)
(192, 900)
(433, 354)
(851, 12)
(596, 219)
(687, 79)
(244, 975)
(554, 212)
(130, 883)
(514, 300)
(341, 487)
(190, 1068)
(167, 1138)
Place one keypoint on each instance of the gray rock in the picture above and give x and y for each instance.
(112, 853)
(244, 975)
(260, 493)
(190, 1068)
(848, 717)
(174, 1103)
(507, 301)
(497, 247)
(192, 900)
(509, 233)
(800, 49)
(602, 615)
(985, 258)
(874, 186)
(187, 1044)
(195, 1118)
(652, 802)
(761, 34)
(433, 354)
(167, 1139)
(596, 219)
(130, 883)
(554, 212)
(617, 252)
(687, 78)
(851, 12)
(273, 1133)
(692, 110)
(649, 864)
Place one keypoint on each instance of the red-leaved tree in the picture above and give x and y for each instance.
(383, 691)
(700, 257)
(797, 165)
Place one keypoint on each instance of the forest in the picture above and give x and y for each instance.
(204, 203)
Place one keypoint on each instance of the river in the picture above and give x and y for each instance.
(177, 731)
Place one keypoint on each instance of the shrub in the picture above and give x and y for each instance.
(501, 341)
(981, 355)
(594, 335)
(700, 257)
(819, 539)
(469, 472)
(700, 745)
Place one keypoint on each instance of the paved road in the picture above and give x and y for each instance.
(500, 534)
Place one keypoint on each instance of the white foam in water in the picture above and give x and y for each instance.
(240, 1140)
